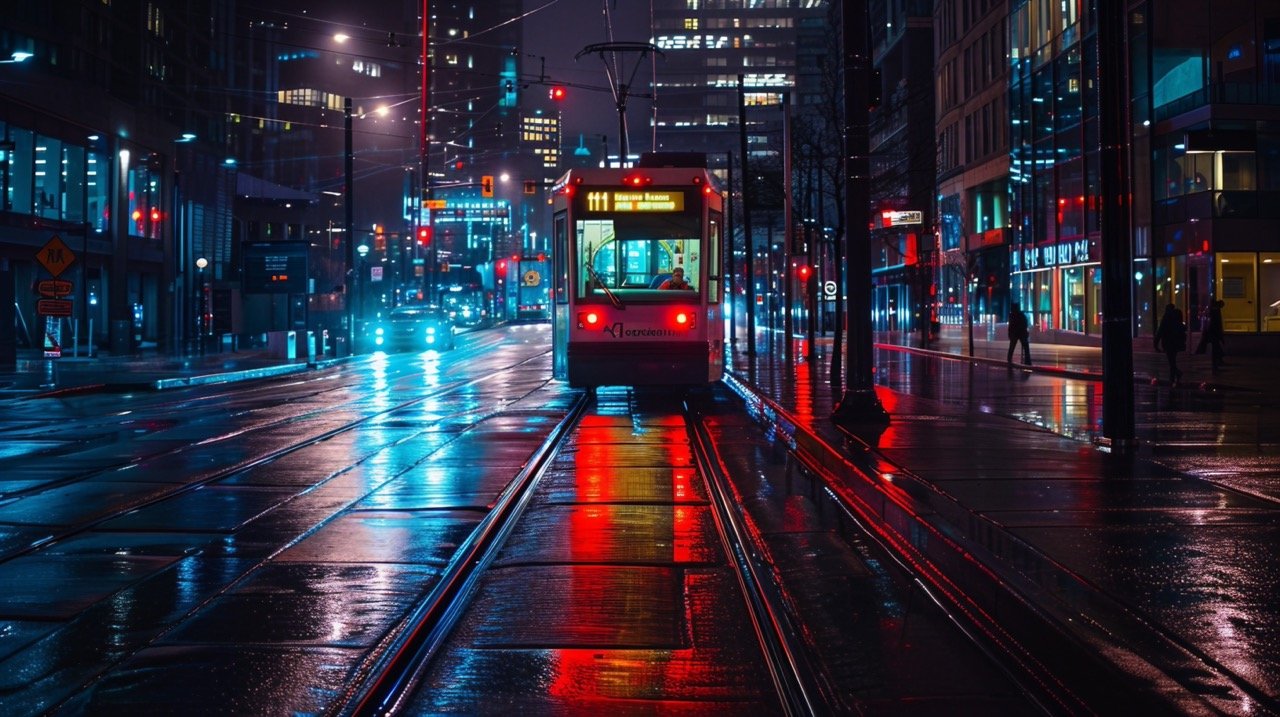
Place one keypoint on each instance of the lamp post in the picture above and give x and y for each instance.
(201, 263)
(363, 278)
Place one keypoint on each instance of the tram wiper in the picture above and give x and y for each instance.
(613, 298)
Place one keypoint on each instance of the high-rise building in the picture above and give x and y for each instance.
(104, 100)
(972, 150)
(1204, 153)
(902, 165)
(706, 45)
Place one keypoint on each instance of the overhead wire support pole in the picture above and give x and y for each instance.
(859, 404)
(747, 206)
(621, 90)
(427, 182)
(788, 238)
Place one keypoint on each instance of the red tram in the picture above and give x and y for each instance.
(619, 236)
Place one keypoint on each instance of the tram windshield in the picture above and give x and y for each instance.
(639, 258)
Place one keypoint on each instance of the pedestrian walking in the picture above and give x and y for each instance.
(1171, 338)
(1213, 335)
(1019, 331)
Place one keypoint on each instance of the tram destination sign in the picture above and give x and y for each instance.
(623, 200)
(275, 267)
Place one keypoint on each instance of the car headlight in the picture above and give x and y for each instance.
(378, 331)
(431, 329)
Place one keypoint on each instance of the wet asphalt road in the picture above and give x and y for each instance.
(245, 551)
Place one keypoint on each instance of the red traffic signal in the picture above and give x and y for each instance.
(557, 93)
(424, 236)
(802, 271)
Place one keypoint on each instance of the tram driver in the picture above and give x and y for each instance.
(677, 281)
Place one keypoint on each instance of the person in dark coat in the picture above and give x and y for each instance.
(1019, 330)
(1171, 338)
(1214, 334)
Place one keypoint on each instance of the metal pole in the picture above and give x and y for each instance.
(424, 154)
(1117, 247)
(788, 237)
(859, 404)
(732, 263)
(350, 222)
(746, 219)
(811, 291)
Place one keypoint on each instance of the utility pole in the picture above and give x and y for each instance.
(1117, 242)
(746, 219)
(788, 238)
(859, 405)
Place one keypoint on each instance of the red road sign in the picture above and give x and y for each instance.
(53, 288)
(55, 256)
(53, 307)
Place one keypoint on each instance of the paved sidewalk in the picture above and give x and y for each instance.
(1241, 372)
(1071, 552)
(38, 377)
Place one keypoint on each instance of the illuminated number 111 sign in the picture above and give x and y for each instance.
(628, 201)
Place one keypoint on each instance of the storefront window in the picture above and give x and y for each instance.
(1073, 299)
(1093, 302)
(1269, 290)
(1238, 289)
(1040, 304)
(1169, 283)
(1235, 170)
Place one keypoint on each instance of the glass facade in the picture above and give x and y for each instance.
(51, 178)
(1054, 254)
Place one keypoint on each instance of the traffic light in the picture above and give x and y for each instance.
(486, 186)
(557, 93)
(802, 271)
(424, 236)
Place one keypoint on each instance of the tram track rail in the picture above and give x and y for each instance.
(395, 669)
(387, 682)
(785, 657)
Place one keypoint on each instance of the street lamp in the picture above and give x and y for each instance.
(201, 263)
(17, 56)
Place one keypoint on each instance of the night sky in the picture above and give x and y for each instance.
(558, 30)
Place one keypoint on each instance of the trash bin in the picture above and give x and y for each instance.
(282, 345)
(121, 337)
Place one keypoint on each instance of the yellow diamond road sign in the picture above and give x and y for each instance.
(55, 256)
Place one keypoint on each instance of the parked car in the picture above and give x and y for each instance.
(414, 327)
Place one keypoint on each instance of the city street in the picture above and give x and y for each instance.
(147, 527)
